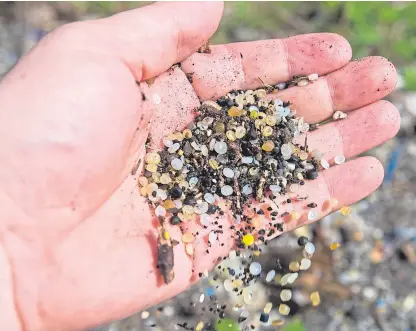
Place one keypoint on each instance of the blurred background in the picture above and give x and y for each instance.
(369, 283)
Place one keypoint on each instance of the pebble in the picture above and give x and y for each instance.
(309, 248)
(284, 309)
(228, 172)
(270, 275)
(226, 190)
(176, 164)
(221, 147)
(302, 240)
(285, 295)
(264, 317)
(247, 189)
(255, 268)
(339, 159)
(305, 264)
(338, 115)
(303, 82)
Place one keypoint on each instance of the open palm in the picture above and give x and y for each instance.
(80, 238)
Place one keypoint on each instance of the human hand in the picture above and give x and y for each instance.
(79, 237)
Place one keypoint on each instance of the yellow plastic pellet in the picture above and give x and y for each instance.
(165, 178)
(271, 120)
(199, 326)
(334, 246)
(188, 237)
(346, 210)
(240, 132)
(284, 309)
(166, 235)
(254, 114)
(231, 135)
(267, 131)
(151, 167)
(188, 210)
(234, 111)
(189, 249)
(187, 133)
(237, 283)
(303, 156)
(256, 253)
(268, 146)
(168, 204)
(180, 152)
(248, 239)
(213, 164)
(153, 158)
(315, 298)
(294, 266)
(278, 322)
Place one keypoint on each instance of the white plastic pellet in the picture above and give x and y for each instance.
(226, 190)
(339, 159)
(255, 268)
(270, 275)
(305, 264)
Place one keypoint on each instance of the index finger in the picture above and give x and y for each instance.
(247, 65)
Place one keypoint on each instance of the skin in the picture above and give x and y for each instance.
(77, 242)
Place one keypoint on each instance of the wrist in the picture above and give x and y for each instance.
(9, 319)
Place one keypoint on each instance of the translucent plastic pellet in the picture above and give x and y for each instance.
(292, 277)
(204, 150)
(193, 181)
(255, 268)
(271, 120)
(312, 215)
(309, 248)
(234, 112)
(228, 285)
(253, 108)
(240, 132)
(275, 188)
(212, 237)
(161, 194)
(189, 249)
(247, 189)
(228, 172)
(201, 208)
(176, 164)
(174, 148)
(305, 264)
(204, 220)
(284, 309)
(145, 314)
(221, 147)
(208, 197)
(283, 280)
(213, 164)
(247, 159)
(165, 179)
(324, 164)
(143, 181)
(188, 210)
(248, 296)
(268, 307)
(270, 275)
(226, 190)
(286, 149)
(285, 295)
(178, 203)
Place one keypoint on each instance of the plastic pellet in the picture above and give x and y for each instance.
(315, 298)
(176, 164)
(199, 326)
(339, 159)
(226, 190)
(213, 164)
(188, 210)
(268, 146)
(221, 147)
(292, 277)
(284, 309)
(228, 285)
(227, 172)
(151, 167)
(143, 181)
(248, 239)
(201, 208)
(212, 237)
(294, 266)
(267, 308)
(230, 134)
(305, 264)
(208, 197)
(324, 164)
(153, 158)
(247, 189)
(267, 131)
(285, 295)
(145, 314)
(160, 211)
(283, 280)
(275, 188)
(255, 268)
(334, 246)
(346, 210)
(240, 132)
(309, 248)
(189, 249)
(219, 127)
(188, 237)
(270, 275)
(234, 112)
(312, 215)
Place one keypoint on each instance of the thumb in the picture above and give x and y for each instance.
(152, 38)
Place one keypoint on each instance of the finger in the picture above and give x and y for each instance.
(152, 38)
(240, 65)
(358, 84)
(364, 128)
